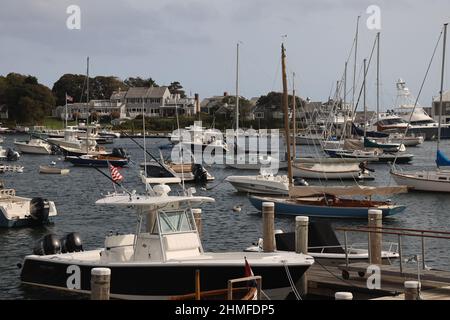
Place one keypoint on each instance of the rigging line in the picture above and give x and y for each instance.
(181, 148)
(420, 91)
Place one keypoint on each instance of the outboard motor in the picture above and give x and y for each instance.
(119, 152)
(39, 209)
(71, 243)
(300, 182)
(55, 149)
(200, 173)
(49, 244)
(12, 155)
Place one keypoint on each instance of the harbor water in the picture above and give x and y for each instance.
(223, 229)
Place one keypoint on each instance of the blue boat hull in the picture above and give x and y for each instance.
(322, 211)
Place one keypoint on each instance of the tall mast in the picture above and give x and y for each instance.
(354, 62)
(294, 122)
(345, 102)
(442, 84)
(87, 104)
(237, 87)
(145, 144)
(286, 115)
(364, 98)
(378, 76)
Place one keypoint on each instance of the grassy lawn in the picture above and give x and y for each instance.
(56, 123)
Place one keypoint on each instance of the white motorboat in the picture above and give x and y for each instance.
(330, 171)
(158, 262)
(33, 146)
(264, 183)
(254, 161)
(323, 245)
(20, 211)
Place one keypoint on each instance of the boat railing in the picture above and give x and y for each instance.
(401, 233)
(7, 193)
(256, 279)
(390, 247)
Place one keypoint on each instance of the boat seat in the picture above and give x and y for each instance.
(181, 245)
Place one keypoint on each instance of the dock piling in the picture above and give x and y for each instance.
(100, 283)
(412, 290)
(375, 221)
(198, 220)
(301, 246)
(268, 212)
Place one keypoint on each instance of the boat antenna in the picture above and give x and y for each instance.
(354, 61)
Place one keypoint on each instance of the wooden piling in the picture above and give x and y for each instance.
(197, 212)
(343, 296)
(268, 213)
(100, 283)
(197, 285)
(411, 290)
(375, 221)
(301, 246)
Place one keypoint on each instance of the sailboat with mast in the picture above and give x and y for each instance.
(117, 158)
(437, 180)
(326, 201)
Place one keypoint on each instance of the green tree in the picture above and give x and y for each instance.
(176, 88)
(139, 82)
(26, 99)
(73, 85)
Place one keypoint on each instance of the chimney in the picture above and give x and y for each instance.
(225, 94)
(197, 103)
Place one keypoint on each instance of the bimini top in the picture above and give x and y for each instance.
(124, 199)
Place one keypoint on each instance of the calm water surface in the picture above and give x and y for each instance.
(223, 229)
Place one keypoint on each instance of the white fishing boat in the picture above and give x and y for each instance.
(18, 211)
(254, 161)
(33, 146)
(436, 180)
(330, 171)
(167, 250)
(264, 183)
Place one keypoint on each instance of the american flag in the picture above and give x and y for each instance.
(115, 174)
(69, 98)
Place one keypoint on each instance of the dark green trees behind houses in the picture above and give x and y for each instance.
(100, 87)
(27, 100)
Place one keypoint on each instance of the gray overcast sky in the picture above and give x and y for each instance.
(194, 42)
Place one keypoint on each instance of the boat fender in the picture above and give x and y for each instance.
(71, 243)
(39, 209)
(49, 244)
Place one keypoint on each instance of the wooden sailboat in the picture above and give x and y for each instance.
(326, 201)
(437, 180)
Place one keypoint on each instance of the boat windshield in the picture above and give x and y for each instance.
(176, 221)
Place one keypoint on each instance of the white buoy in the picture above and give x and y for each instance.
(237, 208)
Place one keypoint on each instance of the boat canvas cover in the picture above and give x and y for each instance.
(320, 235)
(373, 134)
(306, 191)
(353, 144)
(441, 159)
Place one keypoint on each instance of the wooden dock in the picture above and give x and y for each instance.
(325, 280)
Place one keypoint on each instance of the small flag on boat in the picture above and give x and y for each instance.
(115, 174)
(69, 98)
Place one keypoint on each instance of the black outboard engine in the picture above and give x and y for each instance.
(300, 182)
(119, 152)
(55, 149)
(39, 209)
(12, 155)
(71, 243)
(49, 244)
(200, 173)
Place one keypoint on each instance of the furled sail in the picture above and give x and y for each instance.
(306, 191)
(441, 159)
